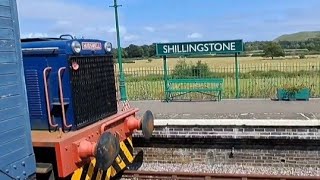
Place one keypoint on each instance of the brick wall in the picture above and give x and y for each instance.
(241, 157)
(294, 148)
(235, 132)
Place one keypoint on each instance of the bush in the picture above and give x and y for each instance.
(302, 56)
(184, 70)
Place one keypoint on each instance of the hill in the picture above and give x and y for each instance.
(300, 36)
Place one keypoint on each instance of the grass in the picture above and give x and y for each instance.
(225, 62)
(259, 77)
(249, 88)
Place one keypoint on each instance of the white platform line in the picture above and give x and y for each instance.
(303, 115)
(236, 122)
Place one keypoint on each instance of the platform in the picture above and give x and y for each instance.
(233, 109)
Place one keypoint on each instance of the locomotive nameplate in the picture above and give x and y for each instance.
(94, 46)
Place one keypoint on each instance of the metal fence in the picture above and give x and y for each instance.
(256, 81)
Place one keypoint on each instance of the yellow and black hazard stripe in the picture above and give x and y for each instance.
(124, 158)
(89, 171)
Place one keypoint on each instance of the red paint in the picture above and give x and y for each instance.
(75, 66)
(132, 123)
(86, 149)
(71, 146)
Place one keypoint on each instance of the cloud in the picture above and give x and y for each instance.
(55, 17)
(130, 37)
(122, 30)
(60, 10)
(33, 35)
(195, 35)
(170, 26)
(61, 17)
(164, 41)
(150, 29)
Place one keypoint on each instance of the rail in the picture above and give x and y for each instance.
(184, 175)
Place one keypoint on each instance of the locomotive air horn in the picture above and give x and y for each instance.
(146, 124)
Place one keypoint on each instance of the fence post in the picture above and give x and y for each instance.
(237, 76)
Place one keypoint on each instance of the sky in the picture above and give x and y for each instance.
(154, 21)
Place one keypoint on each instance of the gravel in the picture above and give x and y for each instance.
(226, 169)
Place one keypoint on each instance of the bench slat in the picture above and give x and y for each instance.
(194, 90)
(213, 80)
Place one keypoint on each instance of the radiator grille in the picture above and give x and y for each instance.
(33, 91)
(93, 88)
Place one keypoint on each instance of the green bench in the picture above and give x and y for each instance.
(215, 86)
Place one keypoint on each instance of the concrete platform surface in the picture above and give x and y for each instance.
(262, 109)
(237, 122)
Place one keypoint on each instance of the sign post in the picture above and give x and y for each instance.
(237, 76)
(165, 75)
(122, 85)
(198, 48)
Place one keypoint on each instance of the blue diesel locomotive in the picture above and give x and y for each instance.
(59, 113)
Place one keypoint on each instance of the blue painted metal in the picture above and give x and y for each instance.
(55, 53)
(17, 158)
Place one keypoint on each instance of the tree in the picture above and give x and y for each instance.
(124, 54)
(152, 50)
(134, 51)
(145, 51)
(272, 50)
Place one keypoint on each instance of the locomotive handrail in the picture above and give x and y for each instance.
(66, 35)
(61, 98)
(47, 96)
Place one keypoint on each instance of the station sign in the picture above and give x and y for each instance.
(205, 47)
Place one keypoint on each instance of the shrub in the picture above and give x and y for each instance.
(184, 70)
(302, 56)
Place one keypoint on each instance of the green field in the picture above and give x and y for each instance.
(226, 62)
(259, 78)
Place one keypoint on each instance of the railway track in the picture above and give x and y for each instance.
(206, 176)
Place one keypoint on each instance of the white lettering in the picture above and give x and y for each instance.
(200, 49)
(233, 46)
(211, 46)
(206, 48)
(171, 49)
(192, 48)
(177, 49)
(226, 46)
(165, 50)
(216, 48)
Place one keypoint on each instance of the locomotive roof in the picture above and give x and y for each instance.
(54, 45)
(41, 39)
